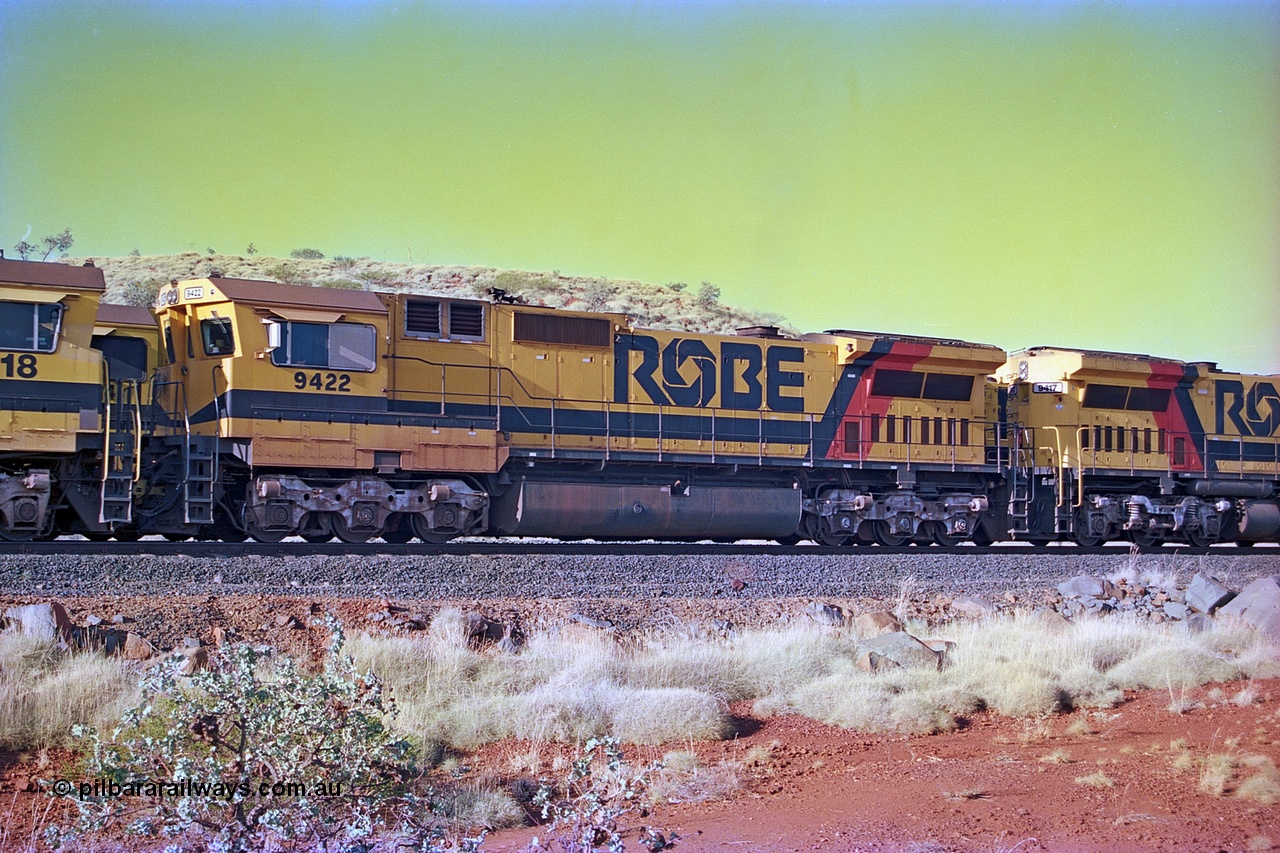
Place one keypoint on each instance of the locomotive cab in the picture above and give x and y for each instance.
(64, 465)
(1114, 445)
(285, 414)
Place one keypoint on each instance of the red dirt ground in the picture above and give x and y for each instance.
(987, 787)
(807, 786)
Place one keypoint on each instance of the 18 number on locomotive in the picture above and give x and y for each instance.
(25, 368)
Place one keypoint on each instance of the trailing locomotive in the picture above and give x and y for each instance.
(1109, 445)
(72, 390)
(272, 410)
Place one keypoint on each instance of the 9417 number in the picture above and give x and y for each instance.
(322, 381)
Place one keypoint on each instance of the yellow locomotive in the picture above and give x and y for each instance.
(353, 414)
(1106, 445)
(72, 386)
(245, 409)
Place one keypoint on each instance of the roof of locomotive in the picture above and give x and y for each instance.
(55, 274)
(270, 293)
(908, 339)
(1092, 353)
(112, 314)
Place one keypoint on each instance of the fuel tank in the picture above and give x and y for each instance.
(1260, 521)
(597, 510)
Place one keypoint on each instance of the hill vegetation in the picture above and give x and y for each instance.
(135, 279)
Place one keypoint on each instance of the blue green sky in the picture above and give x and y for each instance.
(1087, 174)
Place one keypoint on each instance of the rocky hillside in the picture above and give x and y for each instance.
(134, 279)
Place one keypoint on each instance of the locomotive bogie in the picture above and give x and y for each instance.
(283, 505)
(944, 519)
(24, 503)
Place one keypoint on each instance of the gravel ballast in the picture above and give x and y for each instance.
(640, 578)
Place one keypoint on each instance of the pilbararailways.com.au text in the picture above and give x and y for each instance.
(179, 788)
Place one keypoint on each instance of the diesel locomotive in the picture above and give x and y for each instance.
(254, 409)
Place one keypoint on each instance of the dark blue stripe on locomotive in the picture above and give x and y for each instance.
(1182, 394)
(1220, 451)
(304, 406)
(41, 395)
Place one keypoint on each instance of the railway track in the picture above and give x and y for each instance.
(299, 548)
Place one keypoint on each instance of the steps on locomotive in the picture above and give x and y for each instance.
(120, 452)
(200, 453)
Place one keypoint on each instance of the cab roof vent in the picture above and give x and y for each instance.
(759, 332)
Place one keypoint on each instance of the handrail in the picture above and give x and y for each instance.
(1088, 439)
(106, 423)
(217, 407)
(137, 430)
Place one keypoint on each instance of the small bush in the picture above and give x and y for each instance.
(307, 254)
(142, 293)
(708, 295)
(597, 294)
(1216, 773)
(252, 755)
(287, 273)
(1263, 787)
(588, 807)
(1096, 780)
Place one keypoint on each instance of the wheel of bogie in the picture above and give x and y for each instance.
(265, 536)
(864, 535)
(96, 537)
(397, 532)
(981, 537)
(888, 537)
(423, 531)
(1083, 535)
(793, 539)
(345, 533)
(1197, 537)
(831, 537)
(176, 537)
(1244, 543)
(811, 526)
(19, 535)
(1039, 541)
(127, 535)
(1144, 538)
(939, 536)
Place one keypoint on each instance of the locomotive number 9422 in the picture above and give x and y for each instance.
(322, 381)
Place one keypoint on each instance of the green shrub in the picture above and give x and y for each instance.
(708, 295)
(587, 808)
(253, 753)
(141, 293)
(307, 254)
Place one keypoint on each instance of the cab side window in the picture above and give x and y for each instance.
(217, 336)
(28, 327)
(339, 346)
